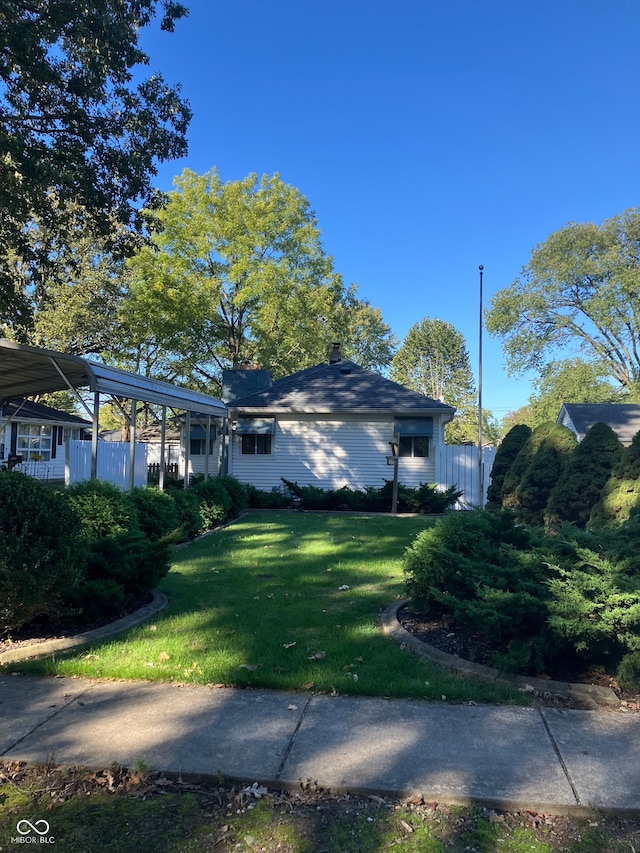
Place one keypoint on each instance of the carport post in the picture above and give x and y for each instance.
(163, 438)
(187, 448)
(132, 443)
(94, 435)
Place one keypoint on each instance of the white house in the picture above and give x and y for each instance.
(32, 438)
(331, 425)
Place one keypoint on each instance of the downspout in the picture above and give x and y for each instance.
(94, 435)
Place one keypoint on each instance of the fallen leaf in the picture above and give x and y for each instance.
(406, 826)
(292, 708)
(343, 587)
(163, 656)
(317, 656)
(288, 645)
(309, 685)
(250, 666)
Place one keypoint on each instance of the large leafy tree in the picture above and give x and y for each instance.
(434, 360)
(569, 381)
(238, 272)
(580, 289)
(75, 298)
(74, 128)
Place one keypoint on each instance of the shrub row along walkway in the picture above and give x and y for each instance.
(505, 757)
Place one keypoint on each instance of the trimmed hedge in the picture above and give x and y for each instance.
(426, 498)
(580, 485)
(620, 498)
(40, 550)
(509, 447)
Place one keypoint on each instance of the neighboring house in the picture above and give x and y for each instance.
(330, 426)
(32, 438)
(623, 418)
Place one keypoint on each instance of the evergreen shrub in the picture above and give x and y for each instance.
(629, 671)
(620, 497)
(481, 568)
(261, 499)
(543, 472)
(187, 506)
(215, 502)
(156, 511)
(116, 550)
(426, 498)
(237, 492)
(536, 598)
(579, 487)
(40, 550)
(507, 451)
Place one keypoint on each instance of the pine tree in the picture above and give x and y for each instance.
(580, 485)
(620, 497)
(506, 454)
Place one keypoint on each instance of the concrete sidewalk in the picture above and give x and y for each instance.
(505, 757)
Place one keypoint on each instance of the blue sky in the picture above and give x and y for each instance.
(429, 137)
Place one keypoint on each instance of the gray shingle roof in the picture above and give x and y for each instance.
(340, 387)
(623, 418)
(28, 410)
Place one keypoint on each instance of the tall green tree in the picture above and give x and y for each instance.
(74, 127)
(74, 300)
(569, 381)
(580, 289)
(434, 360)
(238, 272)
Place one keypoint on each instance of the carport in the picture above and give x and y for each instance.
(27, 371)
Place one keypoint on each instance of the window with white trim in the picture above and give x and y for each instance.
(34, 442)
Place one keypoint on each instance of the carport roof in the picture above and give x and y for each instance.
(25, 371)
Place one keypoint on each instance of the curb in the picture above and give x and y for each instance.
(37, 650)
(588, 693)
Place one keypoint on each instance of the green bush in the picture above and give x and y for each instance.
(479, 568)
(620, 498)
(104, 509)
(543, 472)
(156, 512)
(40, 550)
(595, 603)
(215, 502)
(426, 498)
(260, 499)
(535, 598)
(579, 487)
(116, 548)
(629, 672)
(237, 492)
(517, 469)
(508, 449)
(187, 506)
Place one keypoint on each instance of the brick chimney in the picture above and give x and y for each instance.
(335, 355)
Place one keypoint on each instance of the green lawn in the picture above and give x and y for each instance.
(287, 601)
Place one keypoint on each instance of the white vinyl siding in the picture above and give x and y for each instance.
(329, 453)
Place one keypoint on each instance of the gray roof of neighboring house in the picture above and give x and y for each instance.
(339, 387)
(26, 410)
(623, 418)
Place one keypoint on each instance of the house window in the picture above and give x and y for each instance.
(256, 444)
(198, 446)
(34, 442)
(414, 445)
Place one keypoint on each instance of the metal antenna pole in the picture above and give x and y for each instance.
(480, 460)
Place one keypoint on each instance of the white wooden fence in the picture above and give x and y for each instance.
(457, 465)
(113, 463)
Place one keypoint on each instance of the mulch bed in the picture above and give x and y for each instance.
(441, 633)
